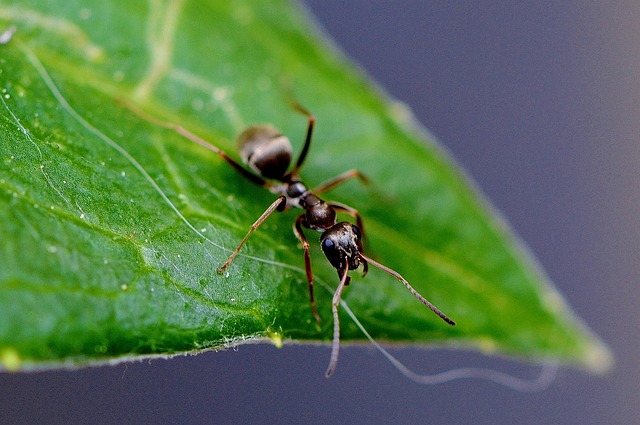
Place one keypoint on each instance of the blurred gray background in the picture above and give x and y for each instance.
(540, 102)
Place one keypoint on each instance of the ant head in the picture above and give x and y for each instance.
(342, 246)
(265, 150)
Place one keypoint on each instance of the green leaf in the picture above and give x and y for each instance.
(113, 227)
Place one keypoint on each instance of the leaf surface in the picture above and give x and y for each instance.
(113, 227)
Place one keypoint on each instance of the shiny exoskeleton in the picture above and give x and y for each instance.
(267, 153)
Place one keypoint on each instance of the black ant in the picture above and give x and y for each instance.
(267, 153)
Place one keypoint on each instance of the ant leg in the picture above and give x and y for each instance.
(297, 230)
(274, 206)
(307, 141)
(338, 180)
(200, 141)
(335, 346)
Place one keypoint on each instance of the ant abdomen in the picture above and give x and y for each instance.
(265, 150)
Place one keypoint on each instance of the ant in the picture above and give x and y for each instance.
(267, 153)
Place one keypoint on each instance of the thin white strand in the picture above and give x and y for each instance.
(546, 377)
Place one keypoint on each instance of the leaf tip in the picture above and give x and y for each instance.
(598, 358)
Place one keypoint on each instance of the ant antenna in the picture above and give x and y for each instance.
(415, 293)
(335, 346)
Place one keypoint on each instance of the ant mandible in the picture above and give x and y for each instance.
(267, 153)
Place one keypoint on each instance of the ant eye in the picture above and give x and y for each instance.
(356, 231)
(327, 244)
